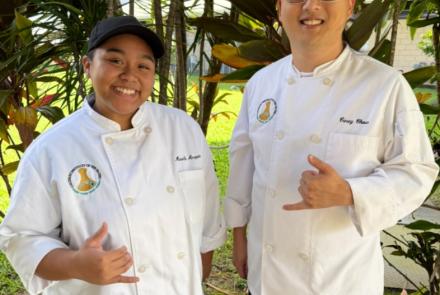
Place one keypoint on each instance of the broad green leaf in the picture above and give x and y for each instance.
(24, 26)
(225, 30)
(424, 22)
(9, 168)
(229, 55)
(429, 110)
(261, 50)
(53, 114)
(218, 78)
(423, 225)
(262, 10)
(419, 76)
(361, 29)
(382, 51)
(243, 74)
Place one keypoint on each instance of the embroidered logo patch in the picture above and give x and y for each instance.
(84, 179)
(266, 110)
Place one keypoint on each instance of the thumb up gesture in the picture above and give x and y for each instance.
(97, 266)
(321, 188)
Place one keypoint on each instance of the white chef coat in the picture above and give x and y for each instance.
(153, 184)
(362, 118)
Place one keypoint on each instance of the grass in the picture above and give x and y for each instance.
(223, 276)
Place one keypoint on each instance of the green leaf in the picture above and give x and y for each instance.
(16, 147)
(424, 22)
(53, 114)
(429, 110)
(382, 51)
(10, 168)
(4, 131)
(4, 95)
(32, 88)
(422, 225)
(24, 26)
(262, 10)
(243, 74)
(419, 76)
(48, 79)
(361, 29)
(225, 30)
(261, 50)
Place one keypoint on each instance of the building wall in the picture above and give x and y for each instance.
(408, 56)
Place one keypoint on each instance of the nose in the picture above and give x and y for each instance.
(128, 73)
(311, 5)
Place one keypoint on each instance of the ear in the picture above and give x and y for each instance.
(352, 3)
(278, 7)
(86, 65)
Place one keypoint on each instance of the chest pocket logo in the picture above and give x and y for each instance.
(266, 110)
(84, 179)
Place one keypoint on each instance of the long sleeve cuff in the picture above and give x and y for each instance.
(236, 215)
(210, 243)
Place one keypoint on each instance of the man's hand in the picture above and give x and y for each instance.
(93, 264)
(322, 189)
(239, 257)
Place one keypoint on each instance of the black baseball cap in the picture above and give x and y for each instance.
(127, 24)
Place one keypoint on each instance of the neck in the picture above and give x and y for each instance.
(307, 58)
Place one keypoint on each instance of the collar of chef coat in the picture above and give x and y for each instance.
(110, 125)
(325, 69)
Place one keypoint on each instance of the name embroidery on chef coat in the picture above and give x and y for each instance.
(266, 110)
(84, 179)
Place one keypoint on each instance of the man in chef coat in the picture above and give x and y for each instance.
(121, 196)
(329, 149)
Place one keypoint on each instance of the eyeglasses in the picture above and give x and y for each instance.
(303, 1)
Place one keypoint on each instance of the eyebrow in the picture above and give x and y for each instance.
(144, 56)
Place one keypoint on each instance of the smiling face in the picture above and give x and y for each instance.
(315, 23)
(122, 73)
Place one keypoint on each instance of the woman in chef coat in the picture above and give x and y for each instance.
(333, 152)
(121, 196)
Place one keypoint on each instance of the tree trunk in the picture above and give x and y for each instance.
(394, 31)
(210, 89)
(131, 7)
(181, 48)
(165, 61)
(110, 8)
(436, 43)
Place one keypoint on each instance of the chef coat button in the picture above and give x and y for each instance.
(272, 193)
(280, 135)
(327, 81)
(315, 138)
(129, 201)
(268, 248)
(109, 140)
(290, 80)
(304, 257)
(180, 255)
(170, 189)
(142, 268)
(147, 130)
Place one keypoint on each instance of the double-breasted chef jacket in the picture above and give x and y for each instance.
(361, 117)
(154, 185)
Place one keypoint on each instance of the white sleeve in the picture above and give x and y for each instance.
(404, 179)
(31, 227)
(214, 229)
(241, 170)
